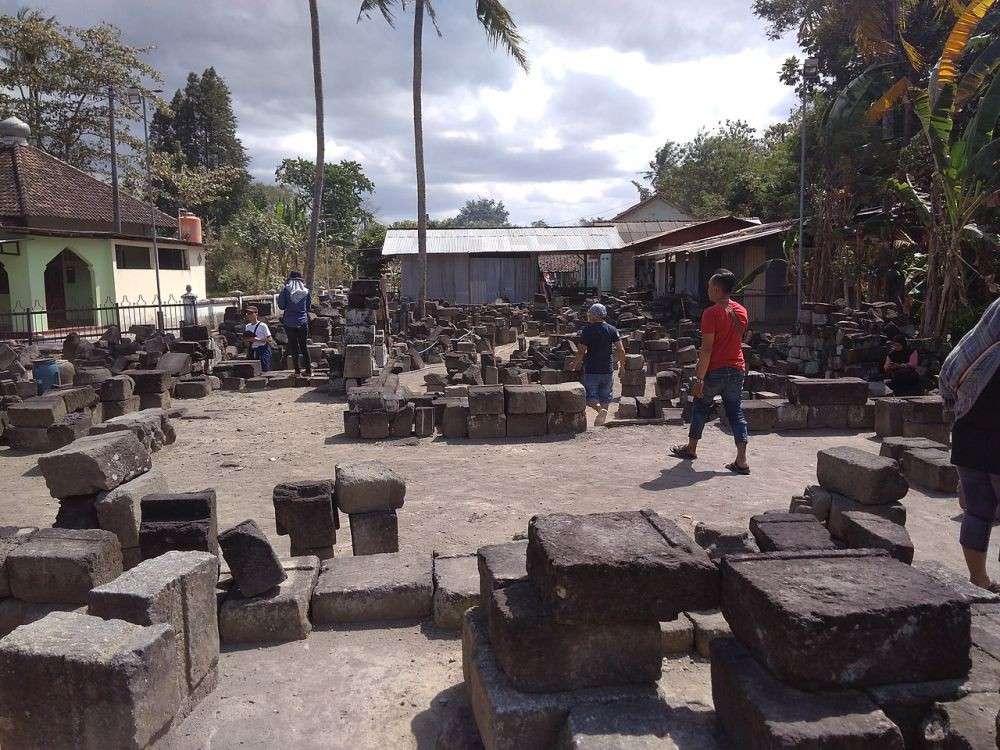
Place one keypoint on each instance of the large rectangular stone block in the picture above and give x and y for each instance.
(789, 532)
(525, 399)
(254, 565)
(834, 391)
(839, 505)
(183, 521)
(860, 475)
(150, 381)
(510, 719)
(456, 588)
(867, 531)
(374, 533)
(455, 418)
(568, 398)
(539, 655)
(487, 426)
(931, 468)
(527, 425)
(42, 411)
(761, 415)
(63, 565)
(486, 399)
(367, 486)
(358, 361)
(567, 423)
(119, 511)
(178, 589)
(850, 618)
(92, 464)
(889, 413)
(758, 712)
(72, 681)
(501, 565)
(624, 566)
(11, 537)
(284, 496)
(895, 447)
(276, 616)
(372, 588)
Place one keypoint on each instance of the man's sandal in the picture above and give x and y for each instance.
(736, 469)
(681, 451)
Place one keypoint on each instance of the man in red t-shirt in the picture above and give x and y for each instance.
(720, 370)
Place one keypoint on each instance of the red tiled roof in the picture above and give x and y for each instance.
(37, 186)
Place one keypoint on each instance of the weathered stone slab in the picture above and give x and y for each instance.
(14, 612)
(849, 618)
(150, 381)
(761, 415)
(792, 417)
(94, 464)
(864, 530)
(252, 560)
(486, 399)
(539, 655)
(677, 636)
(789, 532)
(75, 681)
(178, 589)
(956, 582)
(32, 439)
(147, 426)
(276, 616)
(71, 427)
(624, 566)
(372, 588)
(374, 533)
(182, 521)
(42, 411)
(839, 505)
(455, 418)
(930, 468)
(11, 537)
(175, 363)
(501, 565)
(487, 426)
(112, 409)
(969, 723)
(895, 447)
(285, 493)
(119, 511)
(527, 425)
(860, 475)
(63, 565)
(525, 399)
(567, 423)
(509, 719)
(720, 539)
(456, 588)
(833, 391)
(570, 398)
(707, 627)
(889, 416)
(640, 725)
(758, 711)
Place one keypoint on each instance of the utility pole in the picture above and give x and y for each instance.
(135, 98)
(116, 209)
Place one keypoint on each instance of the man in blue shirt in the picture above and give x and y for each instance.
(599, 346)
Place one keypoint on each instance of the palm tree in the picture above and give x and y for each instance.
(500, 30)
(317, 197)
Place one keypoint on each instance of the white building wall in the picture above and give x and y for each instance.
(131, 283)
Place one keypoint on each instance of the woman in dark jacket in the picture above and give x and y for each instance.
(901, 368)
(295, 300)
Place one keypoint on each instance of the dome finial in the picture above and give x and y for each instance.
(14, 132)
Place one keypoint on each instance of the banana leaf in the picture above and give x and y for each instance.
(982, 126)
(976, 232)
(849, 102)
(958, 39)
(981, 67)
(986, 163)
(749, 278)
(918, 200)
(938, 132)
(888, 100)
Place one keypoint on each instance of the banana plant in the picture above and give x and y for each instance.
(965, 171)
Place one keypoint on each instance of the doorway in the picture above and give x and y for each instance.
(69, 291)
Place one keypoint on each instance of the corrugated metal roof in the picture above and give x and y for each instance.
(510, 240)
(724, 240)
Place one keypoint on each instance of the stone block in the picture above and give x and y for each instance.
(866, 531)
(895, 447)
(76, 513)
(707, 627)
(423, 422)
(367, 486)
(177, 589)
(639, 725)
(94, 464)
(839, 505)
(889, 416)
(147, 426)
(373, 588)
(183, 521)
(861, 416)
(566, 423)
(756, 710)
(939, 432)
(374, 533)
(358, 361)
(34, 439)
(154, 401)
(623, 566)
(305, 511)
(63, 565)
(509, 719)
(628, 408)
(276, 616)
(827, 416)
(69, 428)
(117, 388)
(456, 588)
(794, 611)
(175, 363)
(487, 426)
(401, 423)
(833, 391)
(789, 532)
(930, 468)
(862, 476)
(150, 381)
(192, 389)
(527, 425)
(455, 419)
(501, 565)
(74, 681)
(761, 415)
(253, 562)
(676, 636)
(568, 398)
(374, 425)
(11, 537)
(539, 655)
(485, 399)
(720, 539)
(926, 409)
(792, 417)
(525, 399)
(113, 409)
(14, 612)
(42, 411)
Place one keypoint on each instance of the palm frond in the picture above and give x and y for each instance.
(501, 29)
(433, 16)
(382, 6)
(913, 55)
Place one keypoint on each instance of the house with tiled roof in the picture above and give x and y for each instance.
(60, 253)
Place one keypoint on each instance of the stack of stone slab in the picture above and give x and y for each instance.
(581, 628)
(52, 570)
(234, 374)
(917, 416)
(306, 511)
(178, 521)
(834, 649)
(44, 422)
(277, 615)
(858, 500)
(118, 397)
(497, 411)
(925, 463)
(370, 493)
(833, 403)
(364, 301)
(96, 480)
(380, 408)
(152, 388)
(633, 378)
(153, 427)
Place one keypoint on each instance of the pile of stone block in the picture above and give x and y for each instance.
(98, 481)
(576, 627)
(914, 417)
(370, 493)
(362, 316)
(513, 411)
(925, 463)
(178, 521)
(234, 374)
(277, 615)
(380, 408)
(152, 389)
(633, 378)
(847, 648)
(62, 414)
(306, 511)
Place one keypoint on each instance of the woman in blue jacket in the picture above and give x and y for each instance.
(295, 300)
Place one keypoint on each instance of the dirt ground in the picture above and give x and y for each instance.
(392, 685)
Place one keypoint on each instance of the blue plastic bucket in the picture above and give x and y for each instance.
(46, 373)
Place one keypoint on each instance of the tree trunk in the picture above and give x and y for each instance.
(317, 197)
(418, 147)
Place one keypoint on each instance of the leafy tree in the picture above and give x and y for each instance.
(500, 30)
(482, 213)
(56, 78)
(539, 223)
(346, 191)
(197, 130)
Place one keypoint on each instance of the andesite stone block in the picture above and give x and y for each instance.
(11, 537)
(527, 425)
(707, 627)
(367, 486)
(832, 391)
(487, 426)
(62, 565)
(567, 423)
(867, 531)
(375, 532)
(372, 588)
(42, 411)
(889, 415)
(279, 615)
(96, 463)
(789, 532)
(894, 447)
(486, 399)
(860, 475)
(839, 505)
(456, 588)
(15, 612)
(793, 609)
(620, 566)
(639, 725)
(723, 539)
(252, 560)
(501, 565)
(568, 398)
(930, 468)
(525, 399)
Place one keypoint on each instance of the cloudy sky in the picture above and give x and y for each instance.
(609, 82)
